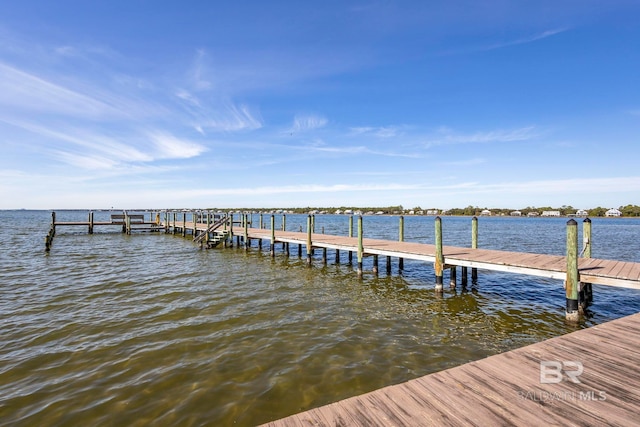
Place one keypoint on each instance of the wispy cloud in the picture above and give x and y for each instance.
(199, 72)
(169, 147)
(303, 123)
(24, 91)
(446, 136)
(506, 43)
(525, 40)
(379, 132)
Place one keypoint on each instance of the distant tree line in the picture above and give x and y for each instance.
(627, 211)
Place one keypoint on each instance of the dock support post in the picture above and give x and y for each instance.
(284, 228)
(587, 289)
(439, 262)
(324, 256)
(48, 240)
(360, 246)
(184, 224)
(195, 223)
(572, 283)
(309, 225)
(474, 245)
(246, 232)
(230, 236)
(165, 221)
(388, 265)
(90, 222)
(273, 236)
(260, 227)
(375, 265)
(313, 229)
(299, 250)
(128, 222)
(205, 241)
(401, 239)
(350, 235)
(452, 277)
(337, 256)
(463, 279)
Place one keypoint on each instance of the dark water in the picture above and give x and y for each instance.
(110, 329)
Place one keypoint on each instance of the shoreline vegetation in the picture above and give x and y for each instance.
(546, 211)
(564, 211)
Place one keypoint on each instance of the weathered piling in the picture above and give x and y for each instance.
(90, 222)
(586, 288)
(375, 264)
(572, 282)
(247, 243)
(273, 236)
(452, 277)
(474, 245)
(360, 246)
(400, 239)
(309, 230)
(439, 262)
(284, 228)
(48, 240)
(350, 235)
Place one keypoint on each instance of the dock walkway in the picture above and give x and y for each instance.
(592, 270)
(512, 388)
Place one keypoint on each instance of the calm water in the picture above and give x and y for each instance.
(110, 329)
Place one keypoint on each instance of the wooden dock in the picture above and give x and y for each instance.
(589, 377)
(591, 270)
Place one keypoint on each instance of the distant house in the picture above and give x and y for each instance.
(582, 212)
(433, 212)
(550, 213)
(613, 212)
(516, 213)
(485, 212)
(533, 214)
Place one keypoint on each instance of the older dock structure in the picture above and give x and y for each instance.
(577, 273)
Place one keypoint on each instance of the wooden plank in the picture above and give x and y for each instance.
(506, 389)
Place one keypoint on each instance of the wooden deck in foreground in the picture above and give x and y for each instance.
(506, 389)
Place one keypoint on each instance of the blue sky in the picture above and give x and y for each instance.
(442, 104)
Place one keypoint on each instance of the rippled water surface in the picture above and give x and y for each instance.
(110, 329)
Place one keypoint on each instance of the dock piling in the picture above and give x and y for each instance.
(572, 282)
(360, 246)
(350, 235)
(439, 262)
(586, 288)
(309, 249)
(401, 239)
(273, 236)
(474, 245)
